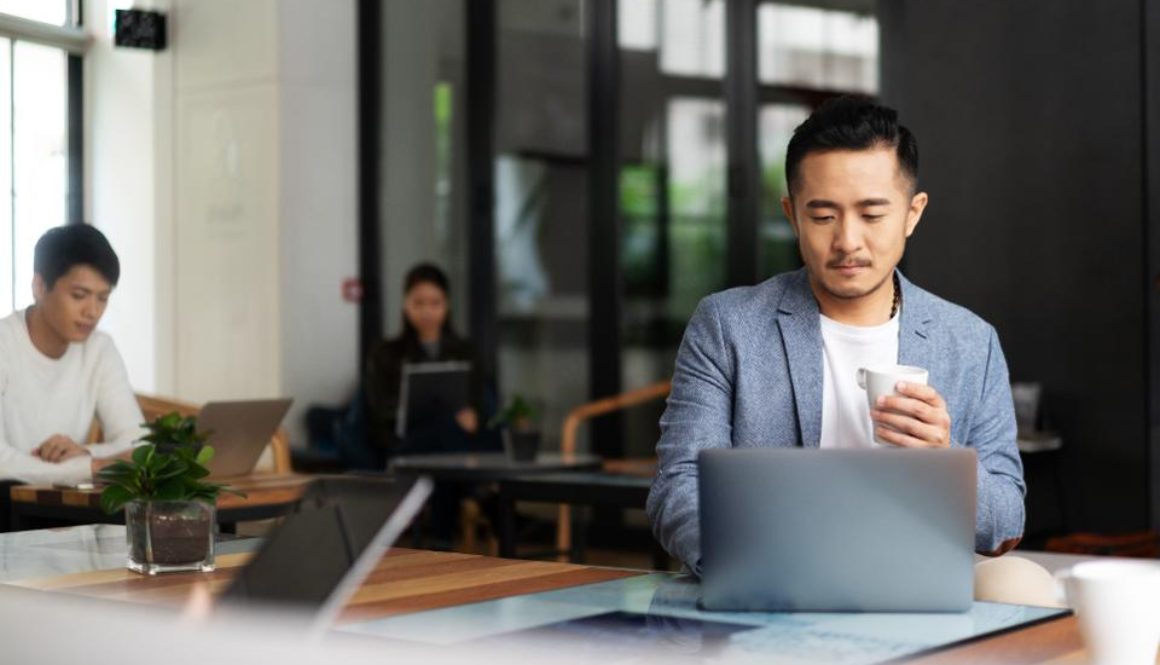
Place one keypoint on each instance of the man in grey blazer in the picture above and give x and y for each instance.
(775, 364)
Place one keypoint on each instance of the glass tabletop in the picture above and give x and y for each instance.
(79, 549)
(656, 617)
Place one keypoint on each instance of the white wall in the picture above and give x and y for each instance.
(319, 200)
(228, 334)
(127, 172)
(224, 171)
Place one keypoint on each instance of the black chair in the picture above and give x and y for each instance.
(6, 504)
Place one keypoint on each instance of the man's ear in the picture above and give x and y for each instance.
(787, 207)
(914, 213)
(39, 288)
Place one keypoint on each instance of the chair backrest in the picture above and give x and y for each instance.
(591, 410)
(153, 406)
(568, 446)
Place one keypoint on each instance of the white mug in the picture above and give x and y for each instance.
(881, 380)
(1117, 604)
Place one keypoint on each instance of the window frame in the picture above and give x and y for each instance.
(74, 41)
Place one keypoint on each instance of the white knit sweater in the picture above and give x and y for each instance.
(42, 396)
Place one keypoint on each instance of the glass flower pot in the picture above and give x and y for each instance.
(170, 536)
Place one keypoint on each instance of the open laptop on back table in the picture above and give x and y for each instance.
(239, 431)
(878, 530)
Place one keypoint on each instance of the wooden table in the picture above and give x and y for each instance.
(266, 496)
(415, 580)
(408, 581)
(405, 581)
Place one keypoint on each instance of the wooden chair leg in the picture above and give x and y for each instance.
(469, 521)
(564, 534)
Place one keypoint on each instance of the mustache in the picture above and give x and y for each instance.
(848, 263)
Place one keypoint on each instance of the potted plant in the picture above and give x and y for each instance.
(521, 433)
(169, 508)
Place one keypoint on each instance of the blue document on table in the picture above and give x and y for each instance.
(656, 618)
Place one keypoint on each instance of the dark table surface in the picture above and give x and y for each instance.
(579, 488)
(487, 467)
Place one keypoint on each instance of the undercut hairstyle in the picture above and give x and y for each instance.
(63, 247)
(851, 122)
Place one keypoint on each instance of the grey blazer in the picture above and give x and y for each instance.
(749, 374)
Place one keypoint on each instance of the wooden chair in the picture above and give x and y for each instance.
(153, 406)
(572, 423)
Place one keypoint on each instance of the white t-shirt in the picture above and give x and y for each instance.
(42, 396)
(845, 348)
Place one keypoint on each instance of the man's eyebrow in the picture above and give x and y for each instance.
(864, 203)
(821, 203)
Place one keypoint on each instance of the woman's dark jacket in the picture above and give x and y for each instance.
(384, 373)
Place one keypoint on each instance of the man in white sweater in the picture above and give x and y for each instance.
(58, 372)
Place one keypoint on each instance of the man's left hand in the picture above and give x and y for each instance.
(58, 448)
(918, 416)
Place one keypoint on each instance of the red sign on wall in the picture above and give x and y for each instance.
(352, 290)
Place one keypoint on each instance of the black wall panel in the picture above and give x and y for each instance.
(1029, 118)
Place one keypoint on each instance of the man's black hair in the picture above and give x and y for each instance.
(851, 123)
(63, 247)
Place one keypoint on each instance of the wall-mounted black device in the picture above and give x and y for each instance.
(139, 28)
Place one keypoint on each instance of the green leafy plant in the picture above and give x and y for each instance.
(169, 467)
(174, 430)
(518, 414)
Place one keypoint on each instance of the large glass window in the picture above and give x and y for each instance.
(8, 267)
(56, 12)
(672, 186)
(817, 48)
(692, 37)
(802, 49)
(39, 153)
(423, 151)
(34, 147)
(541, 207)
(777, 245)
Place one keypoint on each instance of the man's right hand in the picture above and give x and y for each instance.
(58, 448)
(468, 420)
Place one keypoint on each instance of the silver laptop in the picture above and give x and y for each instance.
(793, 529)
(239, 431)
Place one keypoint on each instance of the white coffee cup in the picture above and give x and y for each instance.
(1117, 604)
(882, 379)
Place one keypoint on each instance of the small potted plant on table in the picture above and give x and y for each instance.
(169, 507)
(521, 433)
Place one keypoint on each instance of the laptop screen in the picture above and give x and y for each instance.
(320, 554)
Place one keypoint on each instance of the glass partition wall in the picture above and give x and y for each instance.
(504, 183)
(675, 171)
(541, 206)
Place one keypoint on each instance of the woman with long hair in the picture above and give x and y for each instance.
(427, 336)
